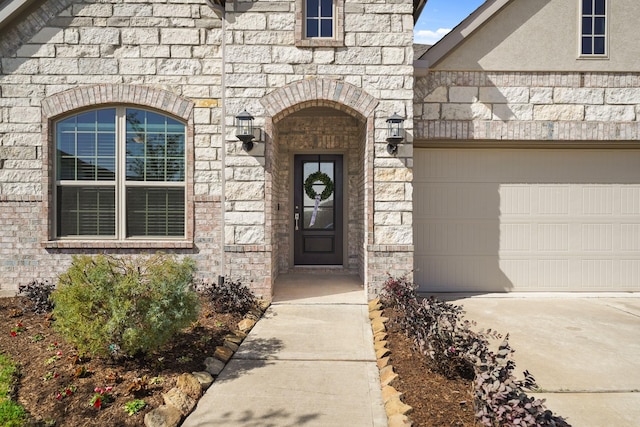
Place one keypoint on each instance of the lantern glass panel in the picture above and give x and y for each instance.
(395, 129)
(244, 126)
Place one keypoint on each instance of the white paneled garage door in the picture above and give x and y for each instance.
(495, 220)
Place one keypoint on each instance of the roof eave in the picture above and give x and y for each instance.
(418, 5)
(12, 8)
(458, 35)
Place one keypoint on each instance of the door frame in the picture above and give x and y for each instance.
(345, 205)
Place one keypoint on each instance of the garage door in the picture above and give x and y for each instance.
(496, 220)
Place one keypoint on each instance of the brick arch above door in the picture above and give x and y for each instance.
(338, 94)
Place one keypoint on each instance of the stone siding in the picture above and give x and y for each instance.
(367, 75)
(23, 258)
(182, 59)
(388, 260)
(510, 106)
(66, 56)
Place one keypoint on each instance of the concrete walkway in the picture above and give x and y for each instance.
(308, 362)
(583, 351)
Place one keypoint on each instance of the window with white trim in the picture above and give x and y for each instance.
(120, 174)
(593, 28)
(319, 19)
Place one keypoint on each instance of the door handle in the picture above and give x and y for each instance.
(296, 217)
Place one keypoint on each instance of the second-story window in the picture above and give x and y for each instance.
(593, 28)
(319, 18)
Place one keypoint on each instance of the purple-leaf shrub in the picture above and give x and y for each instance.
(38, 293)
(439, 332)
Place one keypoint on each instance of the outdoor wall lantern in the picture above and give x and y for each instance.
(395, 132)
(244, 129)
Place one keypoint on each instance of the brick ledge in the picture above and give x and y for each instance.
(107, 244)
(390, 248)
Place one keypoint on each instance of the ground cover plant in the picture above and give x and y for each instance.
(439, 333)
(11, 413)
(63, 384)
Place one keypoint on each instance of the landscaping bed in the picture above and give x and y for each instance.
(435, 399)
(56, 387)
(449, 348)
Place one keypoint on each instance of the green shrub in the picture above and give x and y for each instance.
(124, 306)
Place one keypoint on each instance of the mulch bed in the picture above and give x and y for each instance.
(50, 366)
(436, 400)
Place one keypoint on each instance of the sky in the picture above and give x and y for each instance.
(440, 16)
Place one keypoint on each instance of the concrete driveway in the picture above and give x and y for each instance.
(584, 351)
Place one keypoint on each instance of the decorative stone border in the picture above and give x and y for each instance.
(182, 399)
(395, 408)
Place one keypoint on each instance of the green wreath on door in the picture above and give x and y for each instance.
(324, 179)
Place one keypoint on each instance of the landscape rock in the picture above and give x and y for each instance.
(380, 336)
(190, 385)
(223, 353)
(399, 420)
(374, 304)
(213, 365)
(375, 314)
(382, 352)
(377, 325)
(233, 338)
(382, 362)
(254, 313)
(179, 400)
(395, 406)
(389, 392)
(263, 304)
(387, 375)
(245, 325)
(231, 345)
(379, 344)
(252, 316)
(204, 378)
(163, 416)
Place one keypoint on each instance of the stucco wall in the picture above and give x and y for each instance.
(543, 35)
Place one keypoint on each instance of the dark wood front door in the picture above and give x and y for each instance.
(318, 210)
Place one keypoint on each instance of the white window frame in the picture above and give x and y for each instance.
(120, 183)
(592, 35)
